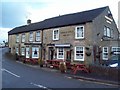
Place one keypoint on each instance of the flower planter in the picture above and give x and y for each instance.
(88, 53)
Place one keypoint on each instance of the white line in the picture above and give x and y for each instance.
(10, 73)
(40, 86)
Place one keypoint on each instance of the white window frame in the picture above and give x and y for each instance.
(27, 52)
(116, 50)
(55, 37)
(22, 51)
(38, 38)
(103, 54)
(17, 38)
(112, 33)
(31, 36)
(33, 52)
(119, 36)
(107, 31)
(75, 56)
(17, 51)
(76, 32)
(23, 37)
(58, 56)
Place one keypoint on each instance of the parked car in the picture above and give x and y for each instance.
(114, 61)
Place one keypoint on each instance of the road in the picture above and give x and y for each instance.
(19, 75)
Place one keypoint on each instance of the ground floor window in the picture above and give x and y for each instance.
(60, 53)
(105, 53)
(35, 52)
(27, 52)
(79, 53)
(17, 52)
(116, 50)
(22, 51)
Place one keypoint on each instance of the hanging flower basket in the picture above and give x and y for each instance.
(87, 48)
(88, 53)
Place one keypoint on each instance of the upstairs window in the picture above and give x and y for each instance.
(38, 36)
(79, 32)
(112, 33)
(31, 36)
(119, 36)
(17, 38)
(108, 32)
(23, 37)
(56, 34)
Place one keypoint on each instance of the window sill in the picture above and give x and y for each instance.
(79, 38)
(78, 60)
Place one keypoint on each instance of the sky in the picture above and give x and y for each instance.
(14, 13)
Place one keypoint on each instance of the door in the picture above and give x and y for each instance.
(51, 53)
(68, 55)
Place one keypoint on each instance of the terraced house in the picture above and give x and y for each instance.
(88, 37)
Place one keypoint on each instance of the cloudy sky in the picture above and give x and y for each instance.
(14, 13)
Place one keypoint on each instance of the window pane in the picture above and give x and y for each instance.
(60, 53)
(27, 52)
(22, 51)
(17, 50)
(38, 36)
(17, 38)
(79, 33)
(23, 37)
(35, 52)
(31, 36)
(105, 53)
(108, 32)
(55, 35)
(105, 31)
(79, 53)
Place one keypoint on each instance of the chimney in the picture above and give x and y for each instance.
(28, 21)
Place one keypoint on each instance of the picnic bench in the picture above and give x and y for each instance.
(74, 67)
(79, 67)
(54, 63)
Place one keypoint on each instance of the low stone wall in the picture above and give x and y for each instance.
(112, 73)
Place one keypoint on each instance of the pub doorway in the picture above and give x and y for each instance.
(51, 53)
(68, 55)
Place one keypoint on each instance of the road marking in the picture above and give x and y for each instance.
(40, 86)
(10, 73)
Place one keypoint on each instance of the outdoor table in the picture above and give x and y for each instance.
(79, 67)
(54, 63)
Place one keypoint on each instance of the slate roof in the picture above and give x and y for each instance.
(60, 21)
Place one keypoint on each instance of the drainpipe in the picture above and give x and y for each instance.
(41, 59)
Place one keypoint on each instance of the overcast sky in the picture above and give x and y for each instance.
(15, 13)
